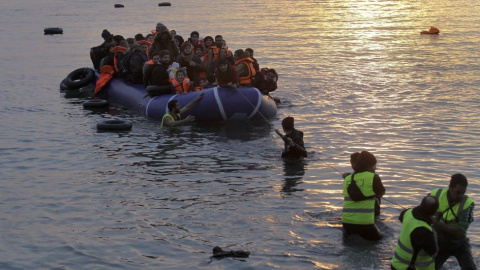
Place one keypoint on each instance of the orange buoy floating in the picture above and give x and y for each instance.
(431, 31)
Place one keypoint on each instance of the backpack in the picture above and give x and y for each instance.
(355, 193)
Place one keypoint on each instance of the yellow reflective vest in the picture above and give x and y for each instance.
(171, 117)
(360, 212)
(403, 255)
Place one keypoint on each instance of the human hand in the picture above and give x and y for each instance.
(190, 118)
(192, 63)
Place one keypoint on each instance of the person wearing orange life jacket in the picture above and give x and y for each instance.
(181, 83)
(155, 76)
(118, 54)
(201, 53)
(214, 51)
(195, 39)
(244, 67)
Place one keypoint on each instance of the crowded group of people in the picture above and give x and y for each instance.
(166, 63)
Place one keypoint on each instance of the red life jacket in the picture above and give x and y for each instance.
(264, 85)
(251, 73)
(115, 51)
(183, 87)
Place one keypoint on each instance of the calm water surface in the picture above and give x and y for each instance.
(356, 75)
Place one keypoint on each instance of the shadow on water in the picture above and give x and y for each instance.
(294, 172)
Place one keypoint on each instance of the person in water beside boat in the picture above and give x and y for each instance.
(360, 190)
(451, 222)
(174, 118)
(416, 246)
(294, 147)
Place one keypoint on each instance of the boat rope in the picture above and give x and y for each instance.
(266, 120)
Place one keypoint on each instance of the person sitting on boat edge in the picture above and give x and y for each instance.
(201, 83)
(294, 147)
(244, 66)
(266, 82)
(358, 215)
(416, 246)
(174, 118)
(100, 51)
(181, 83)
(225, 75)
(156, 78)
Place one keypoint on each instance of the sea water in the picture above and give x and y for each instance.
(356, 75)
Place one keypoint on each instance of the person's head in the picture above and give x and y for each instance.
(219, 41)
(143, 47)
(250, 51)
(366, 161)
(222, 64)
(202, 82)
(159, 27)
(117, 38)
(429, 205)
(107, 36)
(164, 57)
(186, 48)
(353, 160)
(194, 36)
(156, 57)
(130, 41)
(173, 106)
(288, 123)
(199, 49)
(150, 38)
(178, 40)
(173, 32)
(139, 37)
(238, 54)
(222, 53)
(271, 75)
(458, 187)
(123, 43)
(181, 74)
(208, 40)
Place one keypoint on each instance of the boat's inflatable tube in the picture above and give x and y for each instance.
(119, 6)
(79, 78)
(218, 104)
(164, 4)
(114, 125)
(53, 31)
(95, 103)
(431, 31)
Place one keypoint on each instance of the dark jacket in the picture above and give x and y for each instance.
(294, 152)
(193, 72)
(136, 66)
(156, 74)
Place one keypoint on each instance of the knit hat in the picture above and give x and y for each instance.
(365, 160)
(288, 122)
(118, 38)
(106, 34)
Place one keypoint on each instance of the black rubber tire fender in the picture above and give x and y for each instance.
(95, 103)
(114, 125)
(63, 86)
(79, 78)
(53, 31)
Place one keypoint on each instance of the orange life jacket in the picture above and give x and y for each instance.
(247, 79)
(106, 74)
(198, 88)
(183, 87)
(115, 51)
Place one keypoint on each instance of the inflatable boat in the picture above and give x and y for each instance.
(218, 104)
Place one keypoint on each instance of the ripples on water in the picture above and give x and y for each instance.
(354, 74)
